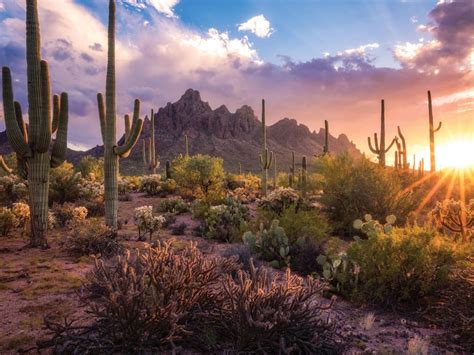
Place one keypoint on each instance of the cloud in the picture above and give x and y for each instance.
(414, 19)
(258, 25)
(165, 7)
(2, 6)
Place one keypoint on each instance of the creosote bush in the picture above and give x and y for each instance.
(92, 237)
(64, 184)
(91, 168)
(161, 299)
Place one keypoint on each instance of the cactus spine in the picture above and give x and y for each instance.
(186, 145)
(107, 115)
(266, 157)
(403, 151)
(380, 149)
(326, 138)
(4, 166)
(432, 134)
(31, 147)
(149, 154)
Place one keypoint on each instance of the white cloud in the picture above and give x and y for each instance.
(414, 19)
(258, 25)
(360, 50)
(165, 7)
(2, 6)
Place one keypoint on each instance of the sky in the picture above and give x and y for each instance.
(311, 60)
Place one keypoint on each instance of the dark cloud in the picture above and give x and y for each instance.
(86, 57)
(96, 47)
(60, 50)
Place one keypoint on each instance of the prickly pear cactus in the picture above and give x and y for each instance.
(372, 227)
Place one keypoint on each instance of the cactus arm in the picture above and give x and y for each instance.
(20, 121)
(270, 162)
(56, 110)
(58, 154)
(372, 149)
(43, 139)
(4, 166)
(261, 162)
(145, 163)
(101, 107)
(124, 150)
(391, 144)
(439, 127)
(126, 120)
(33, 64)
(14, 132)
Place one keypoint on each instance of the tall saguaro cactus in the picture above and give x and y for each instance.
(266, 158)
(326, 138)
(149, 153)
(275, 172)
(403, 151)
(32, 146)
(291, 177)
(432, 134)
(380, 149)
(186, 145)
(304, 175)
(107, 115)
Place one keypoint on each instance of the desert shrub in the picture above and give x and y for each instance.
(68, 214)
(174, 205)
(402, 265)
(128, 184)
(22, 214)
(271, 244)
(92, 237)
(279, 200)
(168, 187)
(125, 197)
(90, 190)
(91, 168)
(95, 206)
(261, 314)
(455, 217)
(8, 221)
(245, 188)
(170, 219)
(199, 176)
(304, 257)
(241, 253)
(226, 222)
(147, 222)
(151, 184)
(353, 187)
(64, 184)
(179, 229)
(151, 300)
(12, 189)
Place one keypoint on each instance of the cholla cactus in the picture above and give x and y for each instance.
(107, 115)
(32, 146)
(147, 222)
(372, 227)
(455, 216)
(272, 244)
(151, 184)
(380, 150)
(89, 189)
(8, 221)
(22, 214)
(278, 200)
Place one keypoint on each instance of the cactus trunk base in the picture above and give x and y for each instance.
(111, 169)
(38, 182)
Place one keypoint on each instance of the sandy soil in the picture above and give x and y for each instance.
(35, 283)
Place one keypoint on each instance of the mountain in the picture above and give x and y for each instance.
(236, 137)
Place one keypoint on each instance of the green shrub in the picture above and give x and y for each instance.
(174, 205)
(402, 265)
(353, 187)
(272, 244)
(91, 168)
(64, 184)
(199, 176)
(226, 222)
(200, 209)
(245, 188)
(8, 221)
(12, 189)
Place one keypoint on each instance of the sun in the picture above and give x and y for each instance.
(456, 154)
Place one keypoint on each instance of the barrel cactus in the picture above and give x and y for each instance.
(32, 146)
(107, 115)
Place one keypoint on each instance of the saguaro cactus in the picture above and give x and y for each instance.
(403, 151)
(240, 168)
(266, 158)
(326, 138)
(4, 165)
(432, 134)
(421, 167)
(380, 149)
(291, 176)
(32, 146)
(150, 159)
(274, 171)
(186, 145)
(107, 115)
(168, 169)
(414, 163)
(304, 175)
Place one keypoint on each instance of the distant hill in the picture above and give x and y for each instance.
(236, 137)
